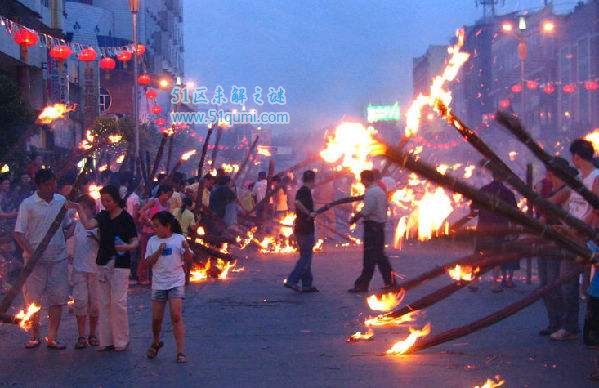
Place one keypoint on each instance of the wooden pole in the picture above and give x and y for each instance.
(493, 318)
(248, 157)
(30, 265)
(489, 202)
(529, 183)
(219, 134)
(158, 158)
(515, 127)
(169, 154)
(198, 199)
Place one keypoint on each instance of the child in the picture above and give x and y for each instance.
(85, 286)
(163, 254)
(185, 216)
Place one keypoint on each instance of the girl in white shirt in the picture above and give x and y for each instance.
(164, 254)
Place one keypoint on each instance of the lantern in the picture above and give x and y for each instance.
(144, 79)
(87, 55)
(160, 122)
(25, 38)
(107, 64)
(549, 88)
(569, 88)
(591, 85)
(124, 56)
(140, 50)
(504, 104)
(532, 85)
(151, 94)
(156, 109)
(60, 53)
(517, 88)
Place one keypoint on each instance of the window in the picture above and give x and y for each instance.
(105, 100)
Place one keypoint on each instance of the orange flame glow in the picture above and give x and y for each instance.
(54, 112)
(403, 346)
(593, 137)
(24, 317)
(188, 155)
(359, 336)
(384, 320)
(263, 150)
(386, 302)
(463, 272)
(492, 383)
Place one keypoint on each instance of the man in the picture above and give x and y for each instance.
(374, 214)
(554, 190)
(490, 221)
(221, 196)
(259, 192)
(49, 276)
(304, 233)
(582, 157)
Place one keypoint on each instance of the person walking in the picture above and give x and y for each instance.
(374, 216)
(304, 233)
(118, 238)
(49, 277)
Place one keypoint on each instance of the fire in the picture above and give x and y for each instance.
(25, 317)
(350, 145)
(94, 191)
(468, 171)
(442, 168)
(115, 138)
(200, 273)
(54, 112)
(219, 270)
(492, 383)
(188, 155)
(513, 155)
(593, 137)
(200, 231)
(318, 245)
(120, 159)
(4, 169)
(403, 346)
(433, 210)
(384, 320)
(387, 302)
(359, 336)
(224, 267)
(465, 272)
(438, 90)
(87, 143)
(263, 150)
(281, 242)
(103, 168)
(230, 168)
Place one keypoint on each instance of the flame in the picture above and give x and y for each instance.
(318, 245)
(4, 169)
(224, 267)
(94, 191)
(280, 243)
(263, 150)
(199, 273)
(442, 168)
(437, 90)
(386, 302)
(384, 320)
(468, 171)
(220, 270)
(593, 137)
(115, 138)
(230, 168)
(403, 346)
(200, 231)
(54, 112)
(87, 143)
(25, 317)
(513, 155)
(188, 155)
(120, 159)
(103, 168)
(359, 336)
(492, 383)
(465, 272)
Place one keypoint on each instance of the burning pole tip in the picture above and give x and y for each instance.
(465, 273)
(24, 317)
(492, 383)
(403, 346)
(188, 155)
(359, 336)
(384, 320)
(54, 112)
(115, 138)
(386, 302)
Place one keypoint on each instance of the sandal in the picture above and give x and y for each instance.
(55, 345)
(92, 340)
(33, 343)
(181, 358)
(81, 343)
(153, 350)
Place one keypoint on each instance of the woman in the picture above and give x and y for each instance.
(154, 206)
(118, 238)
(185, 216)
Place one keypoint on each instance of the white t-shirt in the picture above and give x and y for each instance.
(577, 205)
(168, 271)
(259, 190)
(133, 202)
(85, 249)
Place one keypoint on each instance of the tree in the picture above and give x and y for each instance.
(16, 119)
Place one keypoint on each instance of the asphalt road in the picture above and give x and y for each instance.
(250, 331)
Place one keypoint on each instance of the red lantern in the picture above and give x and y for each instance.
(156, 109)
(140, 50)
(504, 104)
(144, 79)
(87, 55)
(124, 56)
(532, 85)
(151, 94)
(591, 85)
(549, 88)
(107, 64)
(160, 122)
(569, 88)
(60, 53)
(517, 88)
(25, 37)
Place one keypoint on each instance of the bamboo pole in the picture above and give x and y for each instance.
(499, 167)
(490, 202)
(514, 125)
(169, 154)
(491, 319)
(200, 192)
(529, 183)
(158, 158)
(250, 154)
(219, 134)
(30, 265)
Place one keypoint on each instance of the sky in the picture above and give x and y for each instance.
(332, 57)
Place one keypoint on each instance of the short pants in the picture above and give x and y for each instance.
(171, 293)
(85, 293)
(49, 279)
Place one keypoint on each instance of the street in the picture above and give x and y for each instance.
(250, 331)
